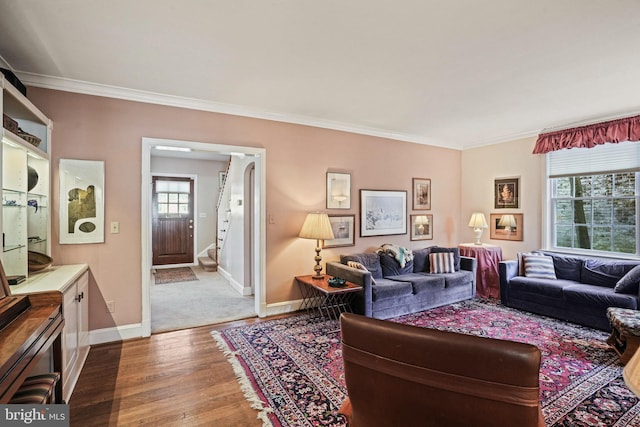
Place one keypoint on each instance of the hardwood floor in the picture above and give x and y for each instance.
(176, 378)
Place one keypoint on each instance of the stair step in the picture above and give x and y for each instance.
(208, 264)
(211, 253)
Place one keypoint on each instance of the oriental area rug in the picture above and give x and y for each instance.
(291, 369)
(174, 275)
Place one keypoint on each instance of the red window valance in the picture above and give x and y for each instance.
(620, 130)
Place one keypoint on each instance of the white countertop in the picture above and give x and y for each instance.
(55, 278)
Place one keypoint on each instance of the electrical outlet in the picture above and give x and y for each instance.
(111, 307)
(115, 227)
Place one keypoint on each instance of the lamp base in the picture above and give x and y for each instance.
(478, 232)
(318, 268)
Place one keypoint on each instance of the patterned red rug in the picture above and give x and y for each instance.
(174, 275)
(291, 369)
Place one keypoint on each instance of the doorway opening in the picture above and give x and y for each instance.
(253, 266)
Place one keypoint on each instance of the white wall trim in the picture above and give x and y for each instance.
(237, 286)
(117, 333)
(259, 225)
(87, 88)
(136, 330)
(284, 307)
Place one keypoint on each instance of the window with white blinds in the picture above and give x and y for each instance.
(595, 198)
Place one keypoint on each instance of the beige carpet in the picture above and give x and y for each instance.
(206, 301)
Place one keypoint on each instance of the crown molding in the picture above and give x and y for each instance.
(88, 88)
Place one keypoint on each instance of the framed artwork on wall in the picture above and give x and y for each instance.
(338, 190)
(421, 194)
(343, 227)
(421, 227)
(506, 193)
(81, 201)
(383, 212)
(506, 226)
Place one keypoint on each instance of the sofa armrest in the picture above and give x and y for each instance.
(508, 270)
(354, 275)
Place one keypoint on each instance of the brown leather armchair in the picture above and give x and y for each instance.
(401, 375)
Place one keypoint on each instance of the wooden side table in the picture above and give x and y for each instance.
(487, 274)
(329, 301)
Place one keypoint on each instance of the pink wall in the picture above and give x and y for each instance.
(298, 157)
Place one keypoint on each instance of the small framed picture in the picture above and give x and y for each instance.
(506, 226)
(338, 190)
(421, 194)
(343, 227)
(507, 193)
(383, 212)
(421, 227)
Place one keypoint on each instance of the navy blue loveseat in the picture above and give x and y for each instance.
(391, 290)
(582, 291)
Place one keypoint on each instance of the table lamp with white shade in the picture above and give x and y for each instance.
(317, 226)
(478, 223)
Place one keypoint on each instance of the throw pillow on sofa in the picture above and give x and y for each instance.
(629, 283)
(521, 256)
(539, 267)
(359, 266)
(442, 262)
(391, 267)
(603, 273)
(454, 251)
(421, 260)
(370, 260)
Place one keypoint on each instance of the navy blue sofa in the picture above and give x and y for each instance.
(581, 293)
(390, 290)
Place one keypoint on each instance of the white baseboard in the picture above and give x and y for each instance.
(239, 287)
(283, 307)
(118, 333)
(127, 332)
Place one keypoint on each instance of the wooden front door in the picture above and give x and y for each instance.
(172, 223)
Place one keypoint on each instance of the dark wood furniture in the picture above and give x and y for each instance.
(327, 300)
(31, 325)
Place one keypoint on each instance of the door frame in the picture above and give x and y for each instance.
(195, 217)
(259, 219)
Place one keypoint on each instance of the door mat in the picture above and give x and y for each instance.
(174, 275)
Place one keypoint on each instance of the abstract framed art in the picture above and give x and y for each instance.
(81, 201)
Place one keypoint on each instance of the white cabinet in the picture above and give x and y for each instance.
(73, 282)
(75, 335)
(25, 187)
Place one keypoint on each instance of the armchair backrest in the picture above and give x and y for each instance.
(402, 375)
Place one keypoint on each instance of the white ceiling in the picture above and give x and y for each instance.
(455, 73)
